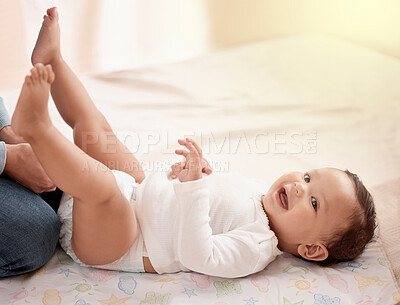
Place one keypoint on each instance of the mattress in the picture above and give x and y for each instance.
(261, 109)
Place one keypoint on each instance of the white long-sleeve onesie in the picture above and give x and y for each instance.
(215, 225)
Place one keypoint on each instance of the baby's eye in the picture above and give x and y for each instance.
(314, 203)
(307, 178)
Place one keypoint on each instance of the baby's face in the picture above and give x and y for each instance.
(305, 208)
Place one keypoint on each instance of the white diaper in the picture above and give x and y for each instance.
(131, 261)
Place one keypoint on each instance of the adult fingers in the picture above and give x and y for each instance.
(51, 189)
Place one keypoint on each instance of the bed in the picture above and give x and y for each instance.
(261, 109)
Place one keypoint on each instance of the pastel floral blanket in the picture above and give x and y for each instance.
(286, 281)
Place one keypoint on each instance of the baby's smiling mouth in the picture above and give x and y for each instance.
(283, 198)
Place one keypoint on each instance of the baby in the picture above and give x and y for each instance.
(114, 217)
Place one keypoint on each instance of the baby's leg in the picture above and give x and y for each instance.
(92, 133)
(104, 224)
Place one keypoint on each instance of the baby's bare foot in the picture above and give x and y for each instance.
(31, 115)
(47, 46)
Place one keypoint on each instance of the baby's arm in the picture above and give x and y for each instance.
(236, 253)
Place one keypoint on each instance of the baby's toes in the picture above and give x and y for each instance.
(34, 75)
(28, 80)
(50, 74)
(41, 72)
(52, 12)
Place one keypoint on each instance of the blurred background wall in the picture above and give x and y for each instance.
(104, 35)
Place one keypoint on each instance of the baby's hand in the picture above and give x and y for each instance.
(191, 169)
(177, 167)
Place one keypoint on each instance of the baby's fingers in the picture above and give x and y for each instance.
(196, 146)
(193, 160)
(181, 152)
(193, 157)
(206, 167)
(193, 153)
(188, 143)
(176, 168)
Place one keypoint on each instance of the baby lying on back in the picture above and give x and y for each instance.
(228, 225)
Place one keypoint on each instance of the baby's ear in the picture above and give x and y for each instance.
(313, 252)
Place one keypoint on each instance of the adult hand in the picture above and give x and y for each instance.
(8, 135)
(194, 164)
(23, 166)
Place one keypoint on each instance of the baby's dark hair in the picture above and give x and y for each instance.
(346, 245)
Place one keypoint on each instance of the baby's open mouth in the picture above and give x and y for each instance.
(283, 198)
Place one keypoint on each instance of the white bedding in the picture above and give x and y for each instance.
(261, 109)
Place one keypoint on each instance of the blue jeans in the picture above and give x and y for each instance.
(29, 228)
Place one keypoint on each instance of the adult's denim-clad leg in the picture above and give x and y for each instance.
(29, 228)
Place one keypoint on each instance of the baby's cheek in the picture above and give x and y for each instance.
(300, 224)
